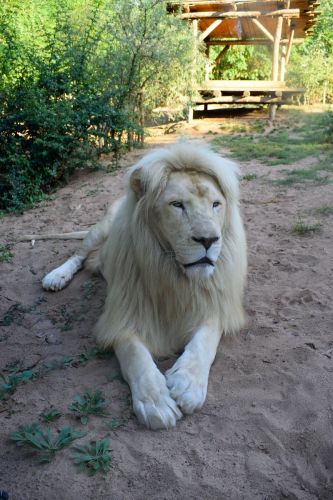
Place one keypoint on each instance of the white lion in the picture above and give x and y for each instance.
(173, 253)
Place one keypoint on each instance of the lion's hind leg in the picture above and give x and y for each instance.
(90, 254)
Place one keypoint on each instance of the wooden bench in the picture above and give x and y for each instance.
(244, 92)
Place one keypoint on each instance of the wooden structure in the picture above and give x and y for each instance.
(249, 22)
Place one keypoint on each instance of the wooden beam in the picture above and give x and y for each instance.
(219, 2)
(232, 14)
(262, 28)
(210, 29)
(275, 63)
(252, 41)
(241, 85)
(276, 47)
(243, 100)
(195, 41)
(290, 42)
(283, 63)
(221, 54)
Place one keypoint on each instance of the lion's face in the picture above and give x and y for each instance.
(190, 214)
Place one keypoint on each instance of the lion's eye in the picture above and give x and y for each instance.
(216, 204)
(177, 204)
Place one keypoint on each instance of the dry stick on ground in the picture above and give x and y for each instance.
(76, 235)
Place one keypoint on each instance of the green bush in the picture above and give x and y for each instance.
(42, 140)
(77, 78)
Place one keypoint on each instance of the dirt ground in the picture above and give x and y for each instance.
(265, 431)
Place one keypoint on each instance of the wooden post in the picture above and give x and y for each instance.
(195, 39)
(283, 63)
(290, 43)
(141, 116)
(207, 65)
(221, 54)
(210, 29)
(275, 64)
(276, 48)
(262, 28)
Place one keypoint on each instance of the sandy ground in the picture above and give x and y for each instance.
(265, 431)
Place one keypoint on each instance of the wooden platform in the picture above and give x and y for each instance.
(245, 92)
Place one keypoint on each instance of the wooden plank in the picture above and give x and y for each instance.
(204, 3)
(230, 99)
(283, 63)
(231, 14)
(210, 29)
(262, 29)
(252, 41)
(221, 54)
(239, 85)
(276, 47)
(290, 43)
(275, 62)
(195, 41)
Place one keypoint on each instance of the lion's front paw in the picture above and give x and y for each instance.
(160, 413)
(187, 387)
(56, 280)
(62, 275)
(153, 405)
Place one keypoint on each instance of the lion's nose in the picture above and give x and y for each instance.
(206, 242)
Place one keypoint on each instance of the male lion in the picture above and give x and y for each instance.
(173, 253)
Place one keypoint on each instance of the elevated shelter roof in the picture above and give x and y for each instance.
(237, 20)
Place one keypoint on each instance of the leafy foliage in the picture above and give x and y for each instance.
(50, 416)
(12, 381)
(16, 378)
(94, 456)
(6, 254)
(302, 228)
(76, 80)
(242, 63)
(311, 64)
(91, 403)
(41, 440)
(115, 422)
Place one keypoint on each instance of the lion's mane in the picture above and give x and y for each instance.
(148, 294)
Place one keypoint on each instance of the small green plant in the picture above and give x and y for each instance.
(50, 416)
(42, 441)
(13, 366)
(115, 422)
(94, 456)
(312, 174)
(63, 319)
(94, 191)
(5, 253)
(325, 210)
(12, 381)
(91, 403)
(88, 288)
(15, 378)
(14, 314)
(301, 228)
(249, 177)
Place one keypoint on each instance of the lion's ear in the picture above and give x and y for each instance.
(136, 184)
